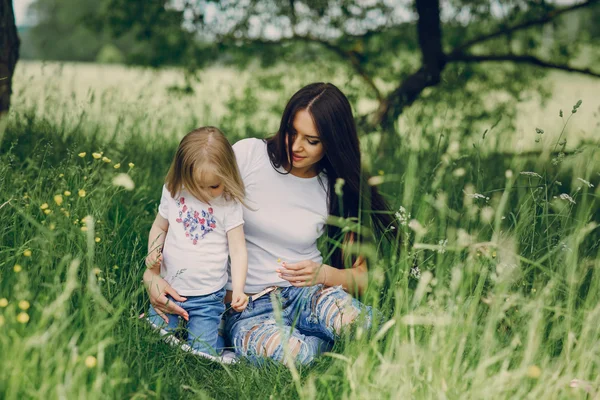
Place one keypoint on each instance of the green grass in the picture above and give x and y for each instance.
(506, 308)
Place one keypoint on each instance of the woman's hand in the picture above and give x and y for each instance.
(239, 301)
(303, 273)
(158, 289)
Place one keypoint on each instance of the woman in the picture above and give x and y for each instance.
(290, 182)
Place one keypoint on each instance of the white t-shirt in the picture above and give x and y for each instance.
(286, 216)
(196, 248)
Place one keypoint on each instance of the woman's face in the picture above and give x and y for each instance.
(307, 149)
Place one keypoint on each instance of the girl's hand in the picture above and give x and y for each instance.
(153, 261)
(239, 301)
(303, 273)
(158, 289)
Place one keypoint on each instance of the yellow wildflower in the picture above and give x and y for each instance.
(97, 155)
(380, 172)
(52, 226)
(97, 240)
(61, 175)
(97, 271)
(27, 253)
(23, 317)
(106, 159)
(17, 268)
(84, 228)
(81, 193)
(117, 166)
(44, 206)
(533, 371)
(47, 212)
(67, 193)
(90, 361)
(82, 154)
(115, 267)
(24, 305)
(58, 199)
(3, 302)
(131, 165)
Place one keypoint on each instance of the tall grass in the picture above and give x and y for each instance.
(503, 301)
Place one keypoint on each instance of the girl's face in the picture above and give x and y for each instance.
(212, 185)
(307, 149)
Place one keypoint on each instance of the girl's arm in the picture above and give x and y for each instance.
(156, 240)
(239, 266)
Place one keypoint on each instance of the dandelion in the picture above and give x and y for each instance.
(117, 166)
(131, 165)
(90, 361)
(106, 159)
(23, 318)
(533, 371)
(47, 212)
(27, 253)
(44, 206)
(97, 156)
(67, 193)
(124, 181)
(24, 305)
(97, 271)
(17, 268)
(82, 154)
(3, 302)
(586, 182)
(565, 196)
(81, 193)
(97, 240)
(58, 199)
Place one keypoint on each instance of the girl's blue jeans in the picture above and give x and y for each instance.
(311, 319)
(202, 328)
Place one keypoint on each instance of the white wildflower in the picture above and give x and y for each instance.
(402, 216)
(442, 243)
(415, 272)
(476, 196)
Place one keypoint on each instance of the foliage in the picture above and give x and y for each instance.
(504, 302)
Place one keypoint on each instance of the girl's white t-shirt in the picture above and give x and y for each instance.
(284, 218)
(195, 251)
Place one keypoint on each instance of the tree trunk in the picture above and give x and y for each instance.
(9, 52)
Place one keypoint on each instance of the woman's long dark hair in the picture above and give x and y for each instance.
(332, 115)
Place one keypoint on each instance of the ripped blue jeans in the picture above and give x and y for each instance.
(312, 318)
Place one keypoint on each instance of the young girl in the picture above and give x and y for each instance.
(199, 222)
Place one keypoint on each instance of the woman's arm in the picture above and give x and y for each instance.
(239, 266)
(307, 273)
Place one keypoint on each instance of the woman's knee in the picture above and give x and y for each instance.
(337, 309)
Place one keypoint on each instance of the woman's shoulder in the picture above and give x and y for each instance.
(249, 145)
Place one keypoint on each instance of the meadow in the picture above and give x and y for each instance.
(504, 303)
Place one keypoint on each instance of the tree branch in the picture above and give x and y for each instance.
(523, 59)
(524, 25)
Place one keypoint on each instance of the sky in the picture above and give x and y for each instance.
(20, 7)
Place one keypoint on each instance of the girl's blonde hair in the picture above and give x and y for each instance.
(205, 150)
